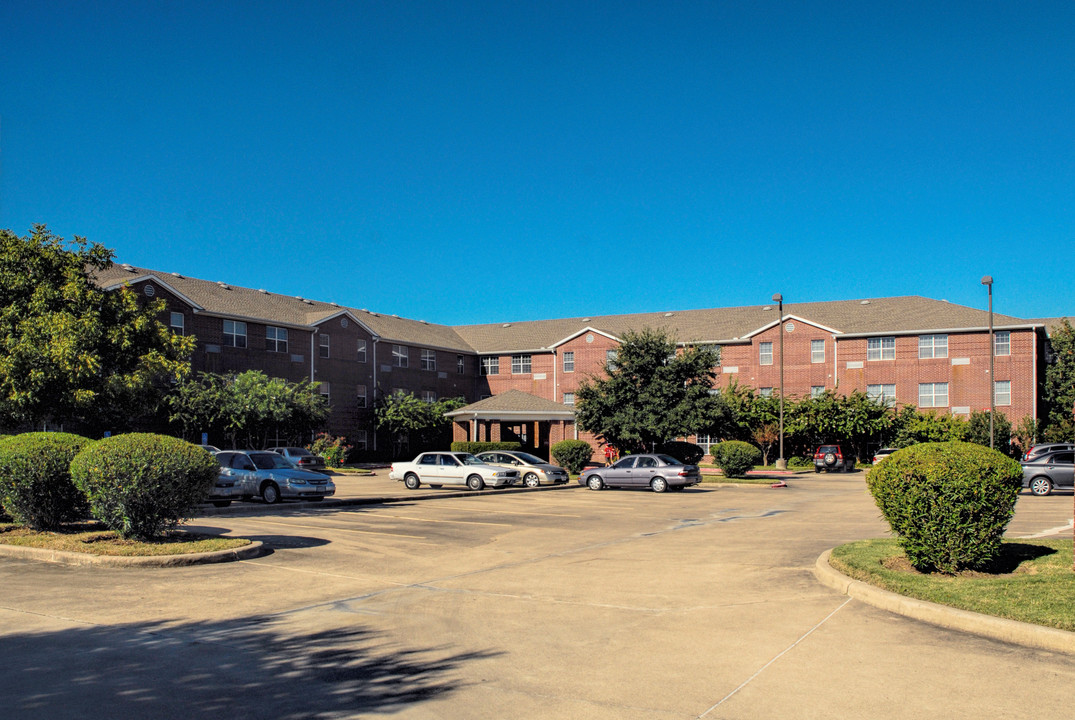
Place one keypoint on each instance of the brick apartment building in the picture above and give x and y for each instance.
(520, 378)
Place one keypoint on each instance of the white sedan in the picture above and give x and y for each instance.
(451, 468)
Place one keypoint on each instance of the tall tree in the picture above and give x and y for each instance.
(651, 394)
(69, 350)
(410, 420)
(1060, 386)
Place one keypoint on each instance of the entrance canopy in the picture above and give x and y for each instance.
(513, 406)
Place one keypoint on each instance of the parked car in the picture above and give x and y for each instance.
(831, 457)
(211, 449)
(272, 476)
(1036, 450)
(533, 469)
(226, 489)
(1050, 471)
(657, 472)
(301, 458)
(881, 454)
(451, 468)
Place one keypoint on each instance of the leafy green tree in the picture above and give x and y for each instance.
(1025, 433)
(410, 420)
(249, 408)
(652, 394)
(69, 350)
(854, 419)
(1059, 393)
(914, 427)
(978, 431)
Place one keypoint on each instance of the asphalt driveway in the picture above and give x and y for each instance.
(561, 604)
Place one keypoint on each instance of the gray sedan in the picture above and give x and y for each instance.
(1048, 472)
(533, 469)
(657, 472)
(271, 476)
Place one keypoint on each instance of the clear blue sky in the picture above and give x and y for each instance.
(468, 162)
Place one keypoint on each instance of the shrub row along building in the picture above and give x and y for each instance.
(520, 377)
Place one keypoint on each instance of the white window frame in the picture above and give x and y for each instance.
(326, 391)
(323, 344)
(275, 339)
(704, 441)
(1002, 392)
(234, 334)
(610, 359)
(1002, 341)
(569, 361)
(429, 396)
(359, 440)
(930, 395)
(460, 364)
(765, 353)
(360, 347)
(883, 393)
(429, 359)
(932, 346)
(179, 328)
(765, 392)
(817, 391)
(362, 398)
(817, 351)
(520, 364)
(490, 365)
(569, 398)
(881, 348)
(401, 356)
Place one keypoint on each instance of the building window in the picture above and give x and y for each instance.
(932, 346)
(177, 323)
(882, 394)
(429, 359)
(569, 362)
(765, 353)
(275, 339)
(324, 390)
(234, 334)
(460, 364)
(361, 396)
(490, 366)
(362, 351)
(358, 439)
(817, 351)
(817, 391)
(1002, 392)
(429, 396)
(704, 442)
(882, 348)
(1002, 343)
(765, 391)
(610, 359)
(569, 398)
(324, 342)
(520, 364)
(932, 395)
(400, 356)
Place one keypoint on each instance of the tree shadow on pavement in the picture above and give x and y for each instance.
(252, 668)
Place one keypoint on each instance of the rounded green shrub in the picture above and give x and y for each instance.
(735, 457)
(35, 479)
(687, 453)
(948, 503)
(572, 455)
(140, 484)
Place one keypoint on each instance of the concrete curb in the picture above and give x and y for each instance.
(66, 557)
(1010, 631)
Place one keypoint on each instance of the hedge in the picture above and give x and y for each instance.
(141, 485)
(948, 503)
(35, 479)
(477, 447)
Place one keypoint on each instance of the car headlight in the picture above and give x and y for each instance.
(297, 481)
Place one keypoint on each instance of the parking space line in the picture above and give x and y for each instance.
(341, 529)
(418, 519)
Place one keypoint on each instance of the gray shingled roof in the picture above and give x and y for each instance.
(896, 315)
(516, 404)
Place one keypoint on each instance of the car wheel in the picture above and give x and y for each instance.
(817, 469)
(658, 484)
(594, 482)
(270, 493)
(475, 482)
(1041, 486)
(411, 481)
(221, 503)
(532, 480)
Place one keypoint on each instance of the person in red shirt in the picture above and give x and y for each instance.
(610, 452)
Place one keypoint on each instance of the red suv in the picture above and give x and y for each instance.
(831, 457)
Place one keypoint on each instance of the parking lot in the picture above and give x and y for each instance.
(561, 603)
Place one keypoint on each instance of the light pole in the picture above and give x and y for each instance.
(988, 282)
(781, 463)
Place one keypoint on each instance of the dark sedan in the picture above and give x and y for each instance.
(656, 472)
(1048, 472)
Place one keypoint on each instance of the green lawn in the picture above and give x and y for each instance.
(95, 539)
(1032, 581)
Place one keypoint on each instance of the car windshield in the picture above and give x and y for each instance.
(269, 461)
(467, 459)
(297, 451)
(528, 458)
(668, 460)
(828, 449)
